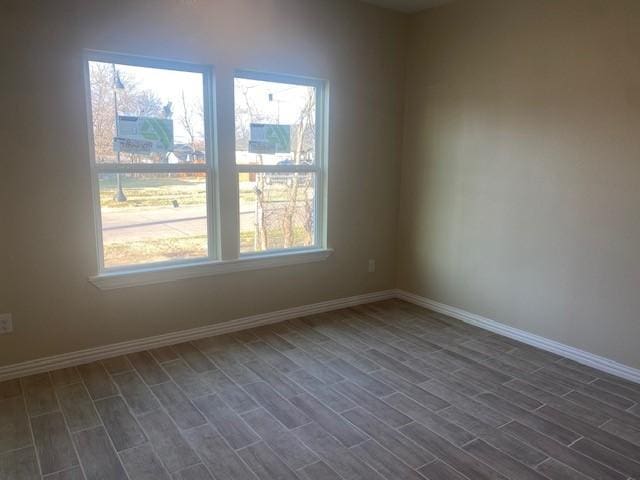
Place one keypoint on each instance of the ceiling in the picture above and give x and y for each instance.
(408, 5)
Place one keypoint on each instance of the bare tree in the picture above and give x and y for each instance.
(296, 206)
(186, 119)
(299, 188)
(131, 101)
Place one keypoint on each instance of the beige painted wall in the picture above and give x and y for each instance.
(50, 251)
(520, 192)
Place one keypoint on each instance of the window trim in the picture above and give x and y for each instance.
(215, 263)
(210, 167)
(170, 273)
(319, 167)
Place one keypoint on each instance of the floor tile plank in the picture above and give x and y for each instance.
(64, 376)
(277, 405)
(136, 393)
(339, 458)
(77, 407)
(402, 447)
(266, 464)
(19, 465)
(562, 453)
(360, 378)
(120, 424)
(449, 453)
(433, 421)
(227, 422)
(164, 354)
(328, 420)
(148, 368)
(170, 446)
(194, 357)
(283, 442)
(217, 455)
(39, 394)
(178, 405)
(332, 399)
(117, 365)
(98, 458)
(188, 380)
(97, 380)
(320, 471)
(53, 444)
(277, 380)
(197, 472)
(384, 461)
(141, 463)
(14, 424)
(501, 462)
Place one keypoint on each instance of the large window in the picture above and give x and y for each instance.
(155, 169)
(152, 161)
(279, 161)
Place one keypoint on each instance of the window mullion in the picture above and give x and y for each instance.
(227, 171)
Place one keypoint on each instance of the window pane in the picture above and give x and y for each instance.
(275, 123)
(153, 218)
(277, 210)
(146, 115)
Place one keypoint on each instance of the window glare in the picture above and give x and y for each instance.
(132, 91)
(273, 103)
(277, 166)
(151, 167)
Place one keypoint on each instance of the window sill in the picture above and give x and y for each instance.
(150, 276)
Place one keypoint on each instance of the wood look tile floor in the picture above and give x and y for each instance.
(381, 391)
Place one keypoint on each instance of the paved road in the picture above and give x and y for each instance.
(130, 225)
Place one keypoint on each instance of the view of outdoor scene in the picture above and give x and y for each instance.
(275, 126)
(149, 217)
(155, 117)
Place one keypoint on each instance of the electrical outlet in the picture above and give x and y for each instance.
(372, 265)
(6, 323)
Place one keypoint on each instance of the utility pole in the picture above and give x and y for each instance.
(117, 85)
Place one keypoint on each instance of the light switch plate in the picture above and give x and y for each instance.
(6, 323)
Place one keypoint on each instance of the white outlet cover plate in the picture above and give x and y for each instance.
(6, 323)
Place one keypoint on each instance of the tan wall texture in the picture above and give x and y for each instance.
(49, 251)
(520, 192)
(520, 173)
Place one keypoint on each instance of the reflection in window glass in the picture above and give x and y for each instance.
(277, 211)
(275, 123)
(146, 115)
(163, 219)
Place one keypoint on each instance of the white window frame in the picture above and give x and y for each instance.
(318, 167)
(216, 263)
(209, 167)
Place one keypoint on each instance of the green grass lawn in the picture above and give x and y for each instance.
(160, 250)
(155, 192)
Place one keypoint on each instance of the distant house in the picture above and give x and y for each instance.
(183, 153)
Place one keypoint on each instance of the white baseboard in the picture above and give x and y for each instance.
(98, 353)
(580, 356)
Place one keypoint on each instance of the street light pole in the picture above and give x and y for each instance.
(119, 196)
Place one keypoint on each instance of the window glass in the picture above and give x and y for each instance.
(151, 165)
(276, 158)
(147, 115)
(275, 122)
(163, 219)
(277, 211)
